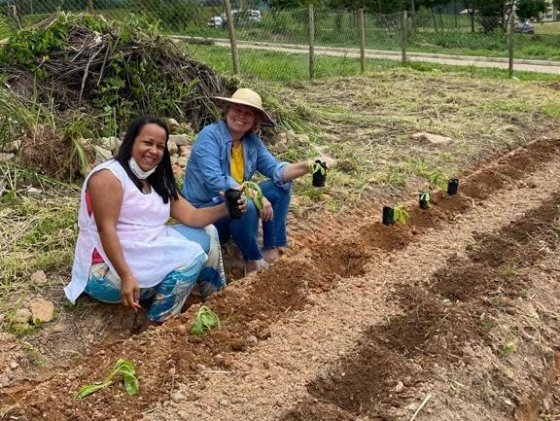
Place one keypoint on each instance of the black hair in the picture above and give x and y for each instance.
(162, 180)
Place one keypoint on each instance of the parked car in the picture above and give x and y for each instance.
(525, 27)
(216, 22)
(244, 17)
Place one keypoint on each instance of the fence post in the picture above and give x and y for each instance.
(403, 36)
(511, 31)
(232, 41)
(361, 25)
(90, 6)
(311, 43)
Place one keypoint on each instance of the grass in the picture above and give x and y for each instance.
(36, 233)
(281, 67)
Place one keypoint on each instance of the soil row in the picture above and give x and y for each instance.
(168, 356)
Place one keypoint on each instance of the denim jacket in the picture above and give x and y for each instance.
(208, 168)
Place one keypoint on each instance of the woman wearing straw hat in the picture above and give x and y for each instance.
(229, 152)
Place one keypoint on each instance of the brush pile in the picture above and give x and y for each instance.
(83, 75)
(83, 61)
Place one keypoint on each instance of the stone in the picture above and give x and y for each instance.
(178, 396)
(252, 340)
(303, 139)
(434, 139)
(101, 154)
(182, 161)
(39, 278)
(185, 150)
(11, 147)
(172, 123)
(173, 148)
(22, 316)
(179, 139)
(110, 143)
(399, 387)
(33, 191)
(42, 310)
(6, 157)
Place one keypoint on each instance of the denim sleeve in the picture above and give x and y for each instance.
(270, 167)
(207, 156)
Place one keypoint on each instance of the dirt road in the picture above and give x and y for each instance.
(540, 66)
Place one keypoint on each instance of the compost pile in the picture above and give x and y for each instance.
(86, 62)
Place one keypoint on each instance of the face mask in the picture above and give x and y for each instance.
(139, 172)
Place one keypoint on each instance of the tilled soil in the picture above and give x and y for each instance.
(458, 308)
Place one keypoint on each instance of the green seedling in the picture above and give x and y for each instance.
(401, 215)
(205, 319)
(507, 349)
(317, 167)
(425, 198)
(123, 369)
(253, 191)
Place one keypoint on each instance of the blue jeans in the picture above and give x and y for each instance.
(245, 231)
(212, 274)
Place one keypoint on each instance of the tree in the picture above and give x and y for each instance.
(495, 14)
(531, 9)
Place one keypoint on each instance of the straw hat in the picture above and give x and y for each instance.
(249, 98)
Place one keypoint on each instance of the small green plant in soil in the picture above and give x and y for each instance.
(205, 319)
(507, 349)
(401, 215)
(123, 369)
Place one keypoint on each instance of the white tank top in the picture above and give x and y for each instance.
(151, 248)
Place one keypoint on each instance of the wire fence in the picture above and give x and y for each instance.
(264, 38)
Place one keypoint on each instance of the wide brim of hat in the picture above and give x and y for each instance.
(265, 116)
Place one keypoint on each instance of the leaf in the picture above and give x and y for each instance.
(131, 384)
(122, 368)
(254, 192)
(317, 167)
(197, 327)
(91, 388)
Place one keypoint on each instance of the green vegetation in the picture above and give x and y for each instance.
(205, 319)
(507, 349)
(253, 191)
(122, 369)
(401, 215)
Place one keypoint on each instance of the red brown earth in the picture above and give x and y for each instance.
(443, 326)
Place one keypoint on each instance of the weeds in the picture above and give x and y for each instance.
(205, 319)
(507, 349)
(123, 369)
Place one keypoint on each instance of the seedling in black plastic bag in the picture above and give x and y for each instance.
(319, 173)
(424, 199)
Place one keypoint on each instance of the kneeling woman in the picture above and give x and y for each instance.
(125, 251)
